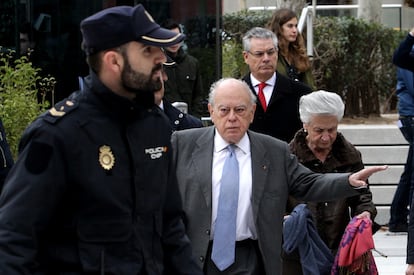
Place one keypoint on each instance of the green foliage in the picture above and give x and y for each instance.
(351, 57)
(235, 25)
(206, 58)
(19, 104)
(233, 65)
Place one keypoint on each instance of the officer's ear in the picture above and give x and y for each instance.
(112, 60)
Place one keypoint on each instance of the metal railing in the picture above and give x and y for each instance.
(404, 20)
(309, 12)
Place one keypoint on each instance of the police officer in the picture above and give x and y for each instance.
(6, 158)
(93, 190)
(178, 119)
(185, 83)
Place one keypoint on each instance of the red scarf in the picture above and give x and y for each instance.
(354, 254)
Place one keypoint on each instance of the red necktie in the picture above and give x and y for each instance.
(262, 96)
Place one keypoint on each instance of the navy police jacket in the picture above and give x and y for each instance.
(179, 120)
(93, 192)
(6, 158)
(403, 56)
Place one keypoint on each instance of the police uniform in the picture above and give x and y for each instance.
(6, 158)
(98, 191)
(93, 190)
(179, 120)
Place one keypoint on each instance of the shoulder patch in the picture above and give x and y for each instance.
(59, 110)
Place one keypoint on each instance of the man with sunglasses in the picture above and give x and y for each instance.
(278, 96)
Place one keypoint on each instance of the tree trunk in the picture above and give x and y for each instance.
(295, 5)
(242, 4)
(370, 10)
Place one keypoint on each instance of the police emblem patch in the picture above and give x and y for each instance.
(106, 157)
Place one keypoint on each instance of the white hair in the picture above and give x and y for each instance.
(320, 103)
(218, 83)
(259, 33)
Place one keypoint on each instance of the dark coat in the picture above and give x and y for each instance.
(332, 217)
(281, 119)
(6, 158)
(410, 239)
(185, 84)
(93, 191)
(299, 233)
(179, 120)
(404, 55)
(284, 68)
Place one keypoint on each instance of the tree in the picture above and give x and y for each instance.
(370, 11)
(295, 5)
(20, 85)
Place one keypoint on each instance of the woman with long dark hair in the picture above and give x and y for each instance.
(293, 61)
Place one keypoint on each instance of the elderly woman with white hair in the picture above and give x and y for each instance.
(321, 148)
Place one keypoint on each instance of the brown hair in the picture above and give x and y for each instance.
(95, 60)
(296, 50)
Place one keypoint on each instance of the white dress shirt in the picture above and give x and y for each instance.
(245, 224)
(267, 90)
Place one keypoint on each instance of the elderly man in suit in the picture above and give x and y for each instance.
(277, 111)
(266, 174)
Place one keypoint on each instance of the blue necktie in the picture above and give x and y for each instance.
(224, 240)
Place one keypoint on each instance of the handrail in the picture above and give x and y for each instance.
(307, 15)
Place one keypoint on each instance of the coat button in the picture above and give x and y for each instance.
(208, 231)
(201, 259)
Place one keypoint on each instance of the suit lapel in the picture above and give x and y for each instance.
(259, 108)
(279, 86)
(203, 162)
(278, 89)
(260, 166)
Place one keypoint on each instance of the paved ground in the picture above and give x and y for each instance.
(394, 246)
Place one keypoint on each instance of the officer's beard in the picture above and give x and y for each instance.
(141, 85)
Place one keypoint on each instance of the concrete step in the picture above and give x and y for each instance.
(380, 144)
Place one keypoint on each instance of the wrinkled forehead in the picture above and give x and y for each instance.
(232, 97)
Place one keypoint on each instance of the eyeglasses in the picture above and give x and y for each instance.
(259, 54)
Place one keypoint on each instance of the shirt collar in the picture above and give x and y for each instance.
(161, 105)
(220, 144)
(270, 82)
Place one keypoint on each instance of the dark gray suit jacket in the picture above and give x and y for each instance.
(276, 173)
